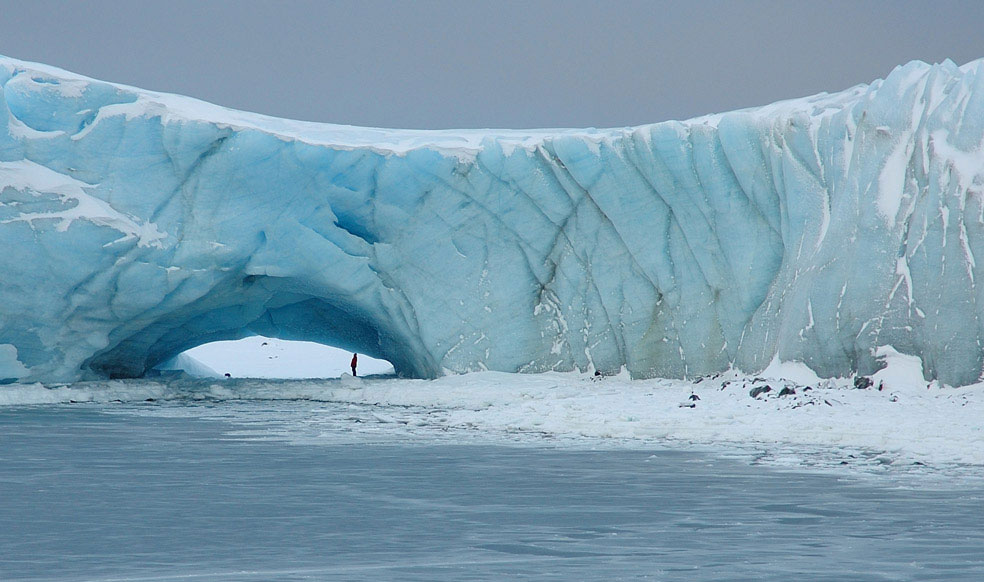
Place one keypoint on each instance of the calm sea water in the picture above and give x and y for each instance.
(296, 491)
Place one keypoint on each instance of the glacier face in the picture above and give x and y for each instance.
(136, 225)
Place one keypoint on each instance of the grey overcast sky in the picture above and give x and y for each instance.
(518, 64)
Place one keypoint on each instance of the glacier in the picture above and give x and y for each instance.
(818, 230)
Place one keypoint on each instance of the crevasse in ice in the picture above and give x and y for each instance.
(135, 225)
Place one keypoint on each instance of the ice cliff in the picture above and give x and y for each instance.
(135, 225)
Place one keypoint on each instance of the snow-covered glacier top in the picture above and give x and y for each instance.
(179, 108)
(815, 230)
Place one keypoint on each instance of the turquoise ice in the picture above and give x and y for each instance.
(135, 225)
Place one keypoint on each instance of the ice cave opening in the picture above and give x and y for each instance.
(259, 356)
(258, 327)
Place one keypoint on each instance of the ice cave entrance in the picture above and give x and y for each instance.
(264, 357)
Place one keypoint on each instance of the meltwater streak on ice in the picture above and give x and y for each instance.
(815, 230)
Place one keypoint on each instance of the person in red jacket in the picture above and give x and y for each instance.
(355, 362)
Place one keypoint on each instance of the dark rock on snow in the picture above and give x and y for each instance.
(756, 391)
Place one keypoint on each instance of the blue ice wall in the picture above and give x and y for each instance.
(136, 225)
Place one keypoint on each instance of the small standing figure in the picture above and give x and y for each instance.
(355, 362)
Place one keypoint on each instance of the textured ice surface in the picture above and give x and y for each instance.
(136, 225)
(195, 492)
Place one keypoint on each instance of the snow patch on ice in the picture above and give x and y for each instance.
(891, 181)
(901, 371)
(794, 371)
(30, 177)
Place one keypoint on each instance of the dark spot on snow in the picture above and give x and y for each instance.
(787, 391)
(862, 382)
(758, 390)
(694, 397)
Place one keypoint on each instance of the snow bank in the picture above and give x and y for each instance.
(898, 424)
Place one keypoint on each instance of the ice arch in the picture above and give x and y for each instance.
(136, 224)
(279, 316)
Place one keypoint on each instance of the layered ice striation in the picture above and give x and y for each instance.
(135, 225)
